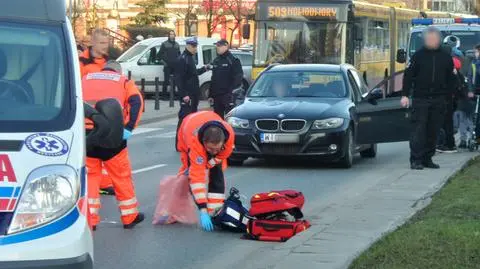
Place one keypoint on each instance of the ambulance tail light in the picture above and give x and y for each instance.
(49, 193)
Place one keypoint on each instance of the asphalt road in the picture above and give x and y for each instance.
(178, 246)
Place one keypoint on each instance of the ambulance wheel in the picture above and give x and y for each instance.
(369, 153)
(235, 161)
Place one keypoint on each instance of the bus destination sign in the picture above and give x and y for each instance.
(304, 11)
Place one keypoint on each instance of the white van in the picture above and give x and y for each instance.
(139, 62)
(43, 182)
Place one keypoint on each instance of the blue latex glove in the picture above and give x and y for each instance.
(206, 221)
(126, 134)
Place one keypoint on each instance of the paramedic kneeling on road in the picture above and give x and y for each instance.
(205, 142)
(109, 83)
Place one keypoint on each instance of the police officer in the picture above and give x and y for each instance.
(169, 52)
(186, 78)
(429, 80)
(226, 76)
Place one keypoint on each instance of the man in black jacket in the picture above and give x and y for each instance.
(227, 75)
(186, 79)
(169, 52)
(429, 80)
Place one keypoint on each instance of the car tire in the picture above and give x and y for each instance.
(204, 90)
(369, 153)
(347, 160)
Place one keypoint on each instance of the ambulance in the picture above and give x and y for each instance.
(43, 208)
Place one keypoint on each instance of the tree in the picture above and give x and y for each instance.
(78, 10)
(153, 12)
(211, 9)
(187, 15)
(239, 10)
(91, 15)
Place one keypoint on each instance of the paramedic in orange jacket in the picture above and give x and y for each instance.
(93, 60)
(109, 83)
(205, 141)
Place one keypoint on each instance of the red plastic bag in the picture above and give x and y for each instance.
(175, 203)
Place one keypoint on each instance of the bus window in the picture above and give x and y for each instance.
(299, 42)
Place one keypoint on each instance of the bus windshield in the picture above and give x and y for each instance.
(468, 40)
(299, 42)
(34, 89)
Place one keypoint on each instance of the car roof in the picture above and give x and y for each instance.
(43, 10)
(307, 67)
(241, 52)
(180, 40)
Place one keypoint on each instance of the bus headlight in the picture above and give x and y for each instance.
(49, 193)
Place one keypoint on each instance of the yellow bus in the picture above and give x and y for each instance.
(333, 32)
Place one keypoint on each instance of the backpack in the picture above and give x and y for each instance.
(233, 216)
(276, 216)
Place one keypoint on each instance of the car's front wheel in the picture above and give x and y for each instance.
(204, 91)
(347, 160)
(370, 152)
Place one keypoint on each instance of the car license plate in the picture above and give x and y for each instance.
(279, 138)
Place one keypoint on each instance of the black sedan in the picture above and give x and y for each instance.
(315, 110)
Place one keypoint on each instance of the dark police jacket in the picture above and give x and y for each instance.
(429, 74)
(186, 75)
(169, 52)
(226, 76)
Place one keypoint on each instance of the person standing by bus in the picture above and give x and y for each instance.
(110, 83)
(227, 75)
(429, 80)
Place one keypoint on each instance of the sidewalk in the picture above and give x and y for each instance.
(165, 112)
(348, 224)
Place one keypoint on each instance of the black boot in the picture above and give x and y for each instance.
(430, 164)
(416, 166)
(107, 191)
(140, 217)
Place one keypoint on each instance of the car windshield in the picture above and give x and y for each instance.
(288, 84)
(131, 53)
(468, 40)
(34, 90)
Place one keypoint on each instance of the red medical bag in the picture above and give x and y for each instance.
(275, 230)
(268, 203)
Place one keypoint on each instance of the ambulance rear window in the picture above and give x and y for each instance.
(33, 86)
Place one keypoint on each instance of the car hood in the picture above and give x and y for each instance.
(298, 108)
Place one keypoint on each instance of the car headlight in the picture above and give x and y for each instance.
(238, 123)
(49, 193)
(330, 123)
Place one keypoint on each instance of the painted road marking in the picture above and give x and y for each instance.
(142, 130)
(164, 135)
(148, 168)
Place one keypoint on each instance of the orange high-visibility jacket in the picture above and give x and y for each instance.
(193, 154)
(89, 64)
(109, 84)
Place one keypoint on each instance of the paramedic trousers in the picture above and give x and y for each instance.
(216, 189)
(185, 110)
(119, 170)
(427, 118)
(106, 181)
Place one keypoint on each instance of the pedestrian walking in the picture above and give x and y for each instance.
(205, 142)
(427, 83)
(227, 75)
(186, 79)
(169, 52)
(110, 83)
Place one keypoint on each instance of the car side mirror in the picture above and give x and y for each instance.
(246, 31)
(107, 118)
(401, 56)
(143, 61)
(374, 95)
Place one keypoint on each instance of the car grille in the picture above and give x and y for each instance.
(293, 125)
(280, 149)
(267, 125)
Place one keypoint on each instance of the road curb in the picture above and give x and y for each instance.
(165, 117)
